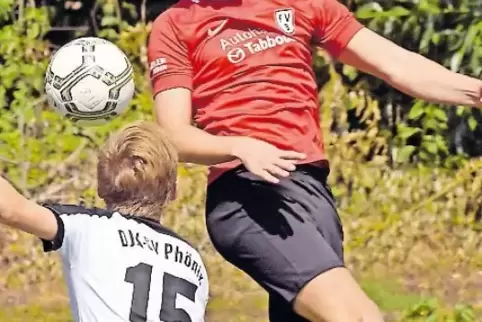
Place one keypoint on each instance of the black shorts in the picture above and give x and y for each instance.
(281, 235)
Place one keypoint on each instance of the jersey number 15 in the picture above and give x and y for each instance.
(140, 277)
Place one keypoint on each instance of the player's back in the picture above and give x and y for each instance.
(126, 268)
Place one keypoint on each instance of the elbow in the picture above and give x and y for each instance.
(173, 130)
(177, 136)
(399, 68)
(7, 216)
(12, 203)
(398, 79)
(12, 212)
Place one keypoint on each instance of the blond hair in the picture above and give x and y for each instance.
(137, 170)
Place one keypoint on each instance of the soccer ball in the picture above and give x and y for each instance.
(89, 80)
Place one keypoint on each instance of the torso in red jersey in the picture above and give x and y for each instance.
(249, 66)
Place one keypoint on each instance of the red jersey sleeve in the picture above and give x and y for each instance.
(167, 55)
(334, 26)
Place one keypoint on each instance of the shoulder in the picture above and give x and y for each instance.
(73, 222)
(172, 15)
(80, 218)
(78, 211)
(65, 210)
(99, 213)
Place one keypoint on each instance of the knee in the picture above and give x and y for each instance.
(345, 311)
(334, 296)
(368, 313)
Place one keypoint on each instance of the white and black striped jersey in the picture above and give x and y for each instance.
(127, 269)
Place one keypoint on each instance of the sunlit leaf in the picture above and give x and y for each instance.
(369, 10)
(416, 111)
(472, 123)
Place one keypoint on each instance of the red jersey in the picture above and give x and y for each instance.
(248, 64)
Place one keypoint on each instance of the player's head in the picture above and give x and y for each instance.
(137, 170)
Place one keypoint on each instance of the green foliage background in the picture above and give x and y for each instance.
(409, 203)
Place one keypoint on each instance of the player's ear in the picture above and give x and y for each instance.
(173, 194)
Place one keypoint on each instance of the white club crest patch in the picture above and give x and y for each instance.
(285, 19)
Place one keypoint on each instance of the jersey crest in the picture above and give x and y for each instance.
(285, 19)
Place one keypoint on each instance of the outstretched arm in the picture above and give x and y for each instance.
(410, 72)
(18, 212)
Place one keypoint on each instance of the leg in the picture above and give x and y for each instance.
(269, 232)
(324, 300)
(335, 296)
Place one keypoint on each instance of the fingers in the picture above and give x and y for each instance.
(291, 155)
(273, 171)
(268, 172)
(265, 175)
(288, 165)
(271, 163)
(276, 170)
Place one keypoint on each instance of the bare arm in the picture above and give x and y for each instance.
(410, 72)
(173, 113)
(172, 81)
(18, 212)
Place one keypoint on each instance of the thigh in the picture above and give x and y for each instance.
(268, 231)
(320, 203)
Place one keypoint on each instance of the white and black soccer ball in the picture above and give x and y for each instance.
(89, 80)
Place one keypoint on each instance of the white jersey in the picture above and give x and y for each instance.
(127, 269)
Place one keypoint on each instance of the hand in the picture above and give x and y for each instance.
(264, 159)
